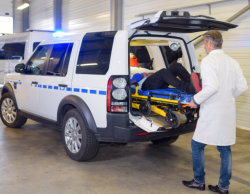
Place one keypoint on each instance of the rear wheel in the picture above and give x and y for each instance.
(79, 142)
(165, 141)
(9, 113)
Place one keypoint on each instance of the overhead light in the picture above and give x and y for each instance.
(23, 6)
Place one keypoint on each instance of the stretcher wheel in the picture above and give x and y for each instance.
(145, 108)
(173, 119)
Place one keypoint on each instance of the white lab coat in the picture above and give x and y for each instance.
(222, 83)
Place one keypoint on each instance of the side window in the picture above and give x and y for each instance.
(59, 59)
(142, 55)
(12, 51)
(36, 64)
(170, 56)
(95, 52)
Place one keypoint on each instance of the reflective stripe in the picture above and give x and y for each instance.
(76, 90)
(82, 90)
(92, 91)
(102, 92)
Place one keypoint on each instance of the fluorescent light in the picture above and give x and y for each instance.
(23, 6)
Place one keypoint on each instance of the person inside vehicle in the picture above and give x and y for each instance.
(176, 75)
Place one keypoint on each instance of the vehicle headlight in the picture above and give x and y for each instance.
(120, 82)
(119, 94)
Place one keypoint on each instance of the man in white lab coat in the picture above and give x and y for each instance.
(222, 83)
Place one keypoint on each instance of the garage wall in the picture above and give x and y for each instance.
(236, 41)
(6, 8)
(85, 15)
(41, 15)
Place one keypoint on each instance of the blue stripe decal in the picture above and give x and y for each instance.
(76, 90)
(69, 89)
(102, 92)
(19, 83)
(84, 91)
(62, 88)
(92, 91)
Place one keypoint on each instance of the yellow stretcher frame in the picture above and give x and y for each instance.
(155, 108)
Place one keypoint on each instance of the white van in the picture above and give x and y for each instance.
(81, 83)
(17, 48)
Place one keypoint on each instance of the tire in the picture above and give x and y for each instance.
(79, 142)
(165, 141)
(10, 115)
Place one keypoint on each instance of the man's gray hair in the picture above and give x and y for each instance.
(215, 37)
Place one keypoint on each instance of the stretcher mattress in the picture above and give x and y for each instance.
(168, 93)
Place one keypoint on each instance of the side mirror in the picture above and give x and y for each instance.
(20, 68)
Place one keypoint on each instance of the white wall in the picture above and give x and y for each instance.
(41, 15)
(85, 15)
(6, 7)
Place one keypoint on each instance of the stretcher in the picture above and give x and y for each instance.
(169, 103)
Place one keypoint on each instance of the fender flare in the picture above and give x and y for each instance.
(81, 106)
(7, 88)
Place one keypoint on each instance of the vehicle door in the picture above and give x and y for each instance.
(56, 82)
(28, 85)
(174, 25)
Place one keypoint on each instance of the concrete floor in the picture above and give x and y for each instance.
(33, 161)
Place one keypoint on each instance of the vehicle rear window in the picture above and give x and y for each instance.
(12, 51)
(95, 52)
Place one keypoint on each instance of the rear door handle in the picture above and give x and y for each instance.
(63, 85)
(33, 82)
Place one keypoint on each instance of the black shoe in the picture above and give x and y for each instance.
(194, 184)
(217, 189)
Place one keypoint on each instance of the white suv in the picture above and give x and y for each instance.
(81, 82)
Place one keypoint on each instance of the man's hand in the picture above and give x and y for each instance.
(192, 104)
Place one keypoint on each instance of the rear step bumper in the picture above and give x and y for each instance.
(119, 129)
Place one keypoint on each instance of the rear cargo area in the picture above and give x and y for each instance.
(161, 109)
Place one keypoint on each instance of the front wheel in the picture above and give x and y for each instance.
(9, 113)
(79, 142)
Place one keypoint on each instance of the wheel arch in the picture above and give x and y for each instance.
(76, 102)
(7, 88)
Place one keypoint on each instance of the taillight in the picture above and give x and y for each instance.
(117, 96)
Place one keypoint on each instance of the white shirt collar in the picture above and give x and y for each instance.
(216, 51)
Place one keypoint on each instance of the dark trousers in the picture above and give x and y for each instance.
(165, 77)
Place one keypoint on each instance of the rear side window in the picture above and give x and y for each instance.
(59, 59)
(142, 55)
(95, 52)
(12, 51)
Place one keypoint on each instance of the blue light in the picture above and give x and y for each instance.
(59, 34)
